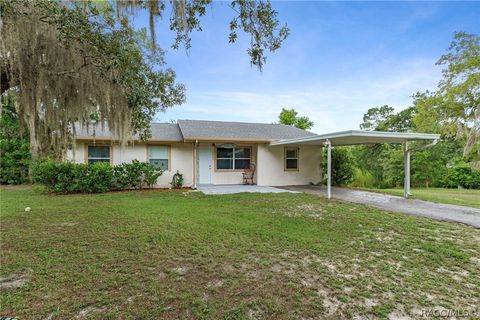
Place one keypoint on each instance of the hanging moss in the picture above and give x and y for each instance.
(64, 66)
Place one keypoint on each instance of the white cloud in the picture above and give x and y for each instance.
(333, 106)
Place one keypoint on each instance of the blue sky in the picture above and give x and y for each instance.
(340, 59)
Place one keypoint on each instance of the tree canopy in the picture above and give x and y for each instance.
(454, 109)
(77, 62)
(290, 117)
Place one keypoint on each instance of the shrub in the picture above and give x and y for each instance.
(98, 177)
(462, 175)
(56, 176)
(69, 177)
(134, 175)
(363, 179)
(150, 174)
(342, 166)
(123, 177)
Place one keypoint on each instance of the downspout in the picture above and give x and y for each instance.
(195, 146)
(435, 141)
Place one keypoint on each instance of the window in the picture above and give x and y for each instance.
(291, 158)
(158, 157)
(234, 158)
(98, 154)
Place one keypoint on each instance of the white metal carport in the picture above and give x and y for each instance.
(355, 137)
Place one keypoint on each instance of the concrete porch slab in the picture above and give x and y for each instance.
(232, 189)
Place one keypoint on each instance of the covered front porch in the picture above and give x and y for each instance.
(357, 137)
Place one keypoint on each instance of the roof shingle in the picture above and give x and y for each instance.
(205, 130)
(220, 130)
(160, 131)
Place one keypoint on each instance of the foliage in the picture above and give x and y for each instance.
(150, 174)
(290, 117)
(454, 109)
(362, 179)
(177, 181)
(384, 162)
(462, 175)
(69, 177)
(14, 146)
(71, 59)
(373, 119)
(429, 165)
(128, 175)
(342, 166)
(67, 60)
(257, 19)
(134, 175)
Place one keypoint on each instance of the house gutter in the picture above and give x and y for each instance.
(195, 146)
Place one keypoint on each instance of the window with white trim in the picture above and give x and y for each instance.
(98, 154)
(291, 158)
(233, 158)
(158, 156)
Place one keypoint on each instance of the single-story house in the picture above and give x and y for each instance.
(210, 152)
(217, 152)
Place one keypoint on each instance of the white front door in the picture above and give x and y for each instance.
(205, 165)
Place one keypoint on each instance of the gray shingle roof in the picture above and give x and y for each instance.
(206, 130)
(160, 131)
(219, 130)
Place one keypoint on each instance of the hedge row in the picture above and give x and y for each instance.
(462, 175)
(69, 177)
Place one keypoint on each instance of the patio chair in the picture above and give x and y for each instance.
(248, 174)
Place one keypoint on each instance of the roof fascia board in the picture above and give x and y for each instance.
(359, 133)
(86, 138)
(210, 139)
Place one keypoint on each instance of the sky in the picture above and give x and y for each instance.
(340, 59)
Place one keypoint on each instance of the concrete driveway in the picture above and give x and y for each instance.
(437, 211)
(238, 188)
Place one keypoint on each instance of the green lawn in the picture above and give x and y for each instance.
(461, 197)
(151, 255)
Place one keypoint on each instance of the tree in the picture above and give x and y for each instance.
(383, 161)
(290, 117)
(373, 119)
(66, 61)
(454, 109)
(14, 146)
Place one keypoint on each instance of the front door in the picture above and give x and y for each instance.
(205, 165)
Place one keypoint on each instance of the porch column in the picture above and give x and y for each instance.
(329, 168)
(406, 184)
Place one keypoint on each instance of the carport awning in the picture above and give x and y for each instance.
(352, 137)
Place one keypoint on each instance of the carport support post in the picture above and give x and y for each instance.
(406, 183)
(329, 168)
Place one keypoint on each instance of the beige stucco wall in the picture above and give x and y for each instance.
(271, 168)
(269, 164)
(181, 159)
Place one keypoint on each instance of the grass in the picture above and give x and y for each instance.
(461, 197)
(151, 255)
